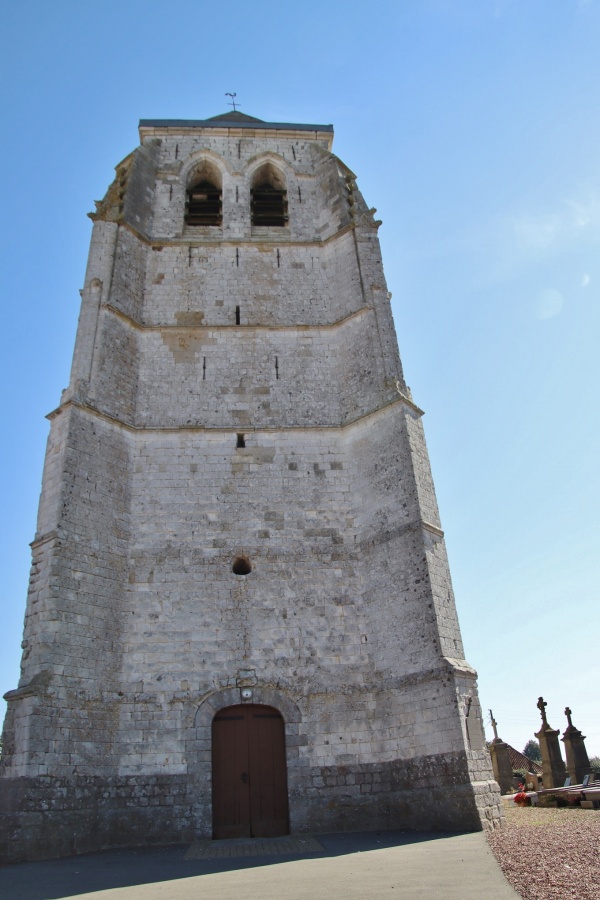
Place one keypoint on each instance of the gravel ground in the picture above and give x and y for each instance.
(550, 854)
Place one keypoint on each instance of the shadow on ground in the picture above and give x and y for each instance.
(55, 879)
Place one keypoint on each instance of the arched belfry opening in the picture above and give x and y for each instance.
(203, 205)
(269, 197)
(249, 776)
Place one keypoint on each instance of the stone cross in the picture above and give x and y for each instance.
(541, 705)
(553, 767)
(494, 724)
(500, 760)
(578, 763)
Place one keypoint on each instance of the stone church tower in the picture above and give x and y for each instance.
(240, 617)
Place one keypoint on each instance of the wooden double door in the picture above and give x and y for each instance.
(249, 778)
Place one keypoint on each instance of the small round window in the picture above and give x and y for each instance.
(241, 566)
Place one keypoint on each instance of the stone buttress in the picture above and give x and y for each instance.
(237, 398)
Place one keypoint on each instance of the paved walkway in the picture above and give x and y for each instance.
(399, 865)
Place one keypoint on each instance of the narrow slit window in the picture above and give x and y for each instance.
(237, 315)
(241, 441)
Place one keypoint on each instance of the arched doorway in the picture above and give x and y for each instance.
(249, 779)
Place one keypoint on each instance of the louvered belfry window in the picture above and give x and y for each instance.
(203, 206)
(269, 206)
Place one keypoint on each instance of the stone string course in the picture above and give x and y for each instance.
(137, 631)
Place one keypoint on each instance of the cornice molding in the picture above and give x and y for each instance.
(140, 326)
(87, 407)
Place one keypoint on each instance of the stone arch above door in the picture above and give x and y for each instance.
(265, 696)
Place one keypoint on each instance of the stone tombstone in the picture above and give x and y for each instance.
(532, 781)
(501, 766)
(578, 764)
(237, 508)
(553, 767)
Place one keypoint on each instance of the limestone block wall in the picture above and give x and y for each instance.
(136, 187)
(272, 283)
(72, 636)
(245, 378)
(314, 609)
(401, 549)
(96, 290)
(199, 506)
(236, 174)
(114, 382)
(130, 264)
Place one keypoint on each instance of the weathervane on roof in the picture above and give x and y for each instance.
(233, 96)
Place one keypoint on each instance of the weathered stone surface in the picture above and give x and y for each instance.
(578, 763)
(186, 440)
(501, 766)
(553, 767)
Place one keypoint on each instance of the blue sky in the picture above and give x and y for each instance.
(474, 128)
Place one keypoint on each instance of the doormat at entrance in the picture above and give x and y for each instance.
(246, 847)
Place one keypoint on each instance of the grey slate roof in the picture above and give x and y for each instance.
(235, 120)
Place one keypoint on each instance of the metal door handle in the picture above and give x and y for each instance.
(244, 777)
